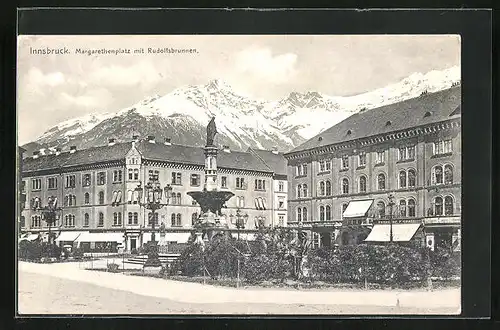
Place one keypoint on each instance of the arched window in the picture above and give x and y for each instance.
(328, 213)
(304, 214)
(304, 190)
(86, 220)
(130, 218)
(402, 208)
(101, 219)
(344, 207)
(174, 198)
(345, 186)
(438, 206)
(381, 181)
(299, 214)
(136, 174)
(411, 207)
(322, 188)
(136, 218)
(172, 220)
(66, 200)
(179, 201)
(87, 198)
(448, 205)
(448, 174)
(437, 174)
(402, 179)
(179, 222)
(321, 213)
(299, 191)
(411, 178)
(381, 209)
(101, 197)
(362, 184)
(328, 188)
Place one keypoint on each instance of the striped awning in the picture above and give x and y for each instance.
(401, 232)
(357, 209)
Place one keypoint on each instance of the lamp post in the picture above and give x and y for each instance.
(153, 202)
(239, 221)
(391, 205)
(49, 216)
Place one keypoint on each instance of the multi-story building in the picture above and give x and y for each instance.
(399, 163)
(95, 189)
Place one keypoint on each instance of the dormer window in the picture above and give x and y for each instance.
(427, 114)
(320, 138)
(349, 132)
(388, 123)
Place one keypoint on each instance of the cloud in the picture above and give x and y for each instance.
(97, 98)
(37, 78)
(143, 73)
(261, 63)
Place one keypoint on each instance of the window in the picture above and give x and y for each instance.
(362, 159)
(304, 214)
(442, 147)
(36, 203)
(22, 221)
(101, 178)
(281, 219)
(130, 174)
(328, 213)
(101, 220)
(176, 178)
(179, 201)
(86, 198)
(448, 174)
(52, 183)
(380, 159)
(438, 206)
(117, 219)
(117, 176)
(260, 203)
(362, 184)
(437, 175)
(175, 220)
(411, 152)
(301, 170)
(240, 183)
(86, 180)
(281, 186)
(299, 214)
(36, 184)
(344, 162)
(36, 221)
(69, 200)
(406, 153)
(70, 181)
(240, 201)
(381, 209)
(154, 175)
(402, 179)
(322, 188)
(69, 220)
(223, 182)
(325, 166)
(411, 207)
(402, 208)
(136, 174)
(304, 190)
(402, 153)
(412, 178)
(448, 205)
(260, 184)
(130, 218)
(23, 186)
(299, 191)
(321, 213)
(328, 188)
(381, 181)
(101, 197)
(152, 215)
(304, 169)
(345, 186)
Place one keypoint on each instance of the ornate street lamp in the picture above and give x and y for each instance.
(391, 205)
(153, 202)
(49, 213)
(239, 221)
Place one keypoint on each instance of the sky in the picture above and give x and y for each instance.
(57, 87)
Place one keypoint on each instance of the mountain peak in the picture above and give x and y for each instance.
(218, 84)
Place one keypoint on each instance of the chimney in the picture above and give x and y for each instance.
(72, 149)
(226, 149)
(36, 154)
(58, 151)
(151, 139)
(275, 151)
(167, 141)
(42, 151)
(111, 142)
(135, 138)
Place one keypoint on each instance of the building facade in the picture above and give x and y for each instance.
(401, 162)
(96, 190)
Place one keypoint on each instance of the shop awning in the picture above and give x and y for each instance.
(100, 237)
(69, 236)
(32, 237)
(357, 209)
(169, 237)
(401, 232)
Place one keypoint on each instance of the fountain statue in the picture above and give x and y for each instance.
(211, 200)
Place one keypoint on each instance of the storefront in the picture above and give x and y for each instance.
(356, 222)
(401, 232)
(100, 242)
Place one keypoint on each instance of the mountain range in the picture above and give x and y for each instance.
(242, 122)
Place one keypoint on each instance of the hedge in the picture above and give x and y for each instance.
(35, 250)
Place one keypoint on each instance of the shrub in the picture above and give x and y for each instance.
(113, 268)
(77, 253)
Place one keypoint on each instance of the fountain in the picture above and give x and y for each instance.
(211, 220)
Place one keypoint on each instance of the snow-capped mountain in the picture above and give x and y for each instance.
(241, 122)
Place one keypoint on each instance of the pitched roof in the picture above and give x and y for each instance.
(79, 157)
(196, 156)
(276, 161)
(390, 118)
